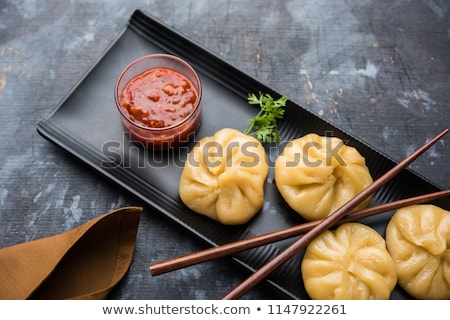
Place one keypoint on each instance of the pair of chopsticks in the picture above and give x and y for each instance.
(309, 230)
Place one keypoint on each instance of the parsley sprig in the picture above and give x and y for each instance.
(264, 125)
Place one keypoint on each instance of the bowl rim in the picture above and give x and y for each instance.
(158, 55)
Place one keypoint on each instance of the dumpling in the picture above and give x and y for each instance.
(351, 262)
(316, 175)
(418, 238)
(224, 177)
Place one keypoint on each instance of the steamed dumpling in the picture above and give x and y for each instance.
(351, 262)
(316, 175)
(224, 177)
(418, 238)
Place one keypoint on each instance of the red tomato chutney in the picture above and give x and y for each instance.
(160, 107)
(159, 98)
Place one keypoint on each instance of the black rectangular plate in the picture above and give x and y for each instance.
(87, 125)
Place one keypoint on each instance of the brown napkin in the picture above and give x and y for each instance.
(83, 263)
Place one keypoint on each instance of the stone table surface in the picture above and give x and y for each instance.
(379, 70)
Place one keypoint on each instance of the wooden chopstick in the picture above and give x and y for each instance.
(326, 223)
(245, 244)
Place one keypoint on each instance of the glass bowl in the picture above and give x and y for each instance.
(158, 97)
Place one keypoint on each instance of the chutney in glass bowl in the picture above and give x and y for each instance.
(158, 97)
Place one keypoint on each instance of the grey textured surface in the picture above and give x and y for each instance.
(379, 70)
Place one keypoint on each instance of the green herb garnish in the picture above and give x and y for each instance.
(264, 126)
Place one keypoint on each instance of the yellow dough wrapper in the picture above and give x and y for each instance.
(349, 263)
(316, 175)
(418, 238)
(224, 177)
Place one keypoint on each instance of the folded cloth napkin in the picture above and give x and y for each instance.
(83, 263)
